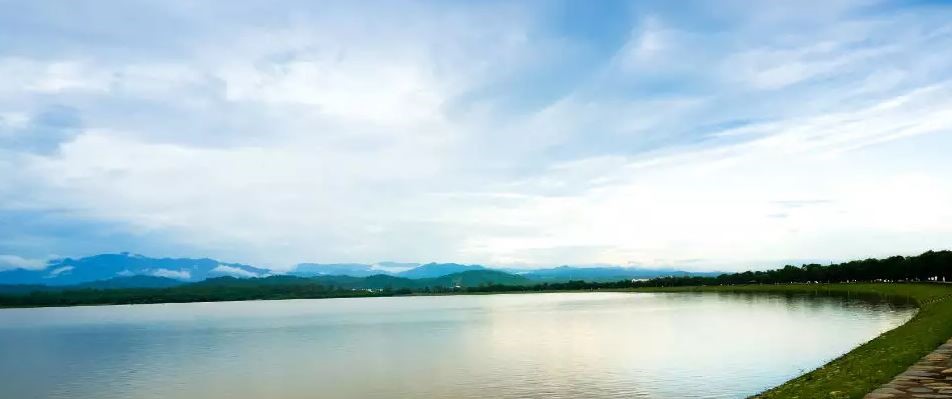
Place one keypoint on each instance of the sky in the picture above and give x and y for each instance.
(700, 135)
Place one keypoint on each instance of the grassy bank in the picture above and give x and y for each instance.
(874, 363)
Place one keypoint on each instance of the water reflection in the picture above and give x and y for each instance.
(593, 345)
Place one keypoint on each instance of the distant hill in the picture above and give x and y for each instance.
(229, 281)
(468, 278)
(383, 281)
(108, 266)
(602, 274)
(23, 289)
(432, 270)
(132, 282)
(465, 279)
(476, 278)
(333, 269)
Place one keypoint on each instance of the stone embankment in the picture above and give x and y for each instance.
(930, 377)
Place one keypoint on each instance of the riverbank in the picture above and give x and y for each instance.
(877, 362)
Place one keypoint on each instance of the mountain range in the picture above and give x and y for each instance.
(71, 271)
(125, 270)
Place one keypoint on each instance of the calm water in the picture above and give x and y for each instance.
(598, 345)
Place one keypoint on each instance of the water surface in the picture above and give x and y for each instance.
(565, 345)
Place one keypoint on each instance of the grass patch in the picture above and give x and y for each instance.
(874, 363)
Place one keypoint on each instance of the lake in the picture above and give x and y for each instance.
(558, 345)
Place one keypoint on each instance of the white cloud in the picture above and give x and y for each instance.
(181, 274)
(777, 68)
(393, 267)
(28, 75)
(59, 270)
(13, 120)
(18, 262)
(234, 271)
(646, 43)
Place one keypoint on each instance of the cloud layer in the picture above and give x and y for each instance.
(512, 134)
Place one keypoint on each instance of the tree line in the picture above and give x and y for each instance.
(929, 266)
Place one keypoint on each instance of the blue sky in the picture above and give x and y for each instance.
(702, 135)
